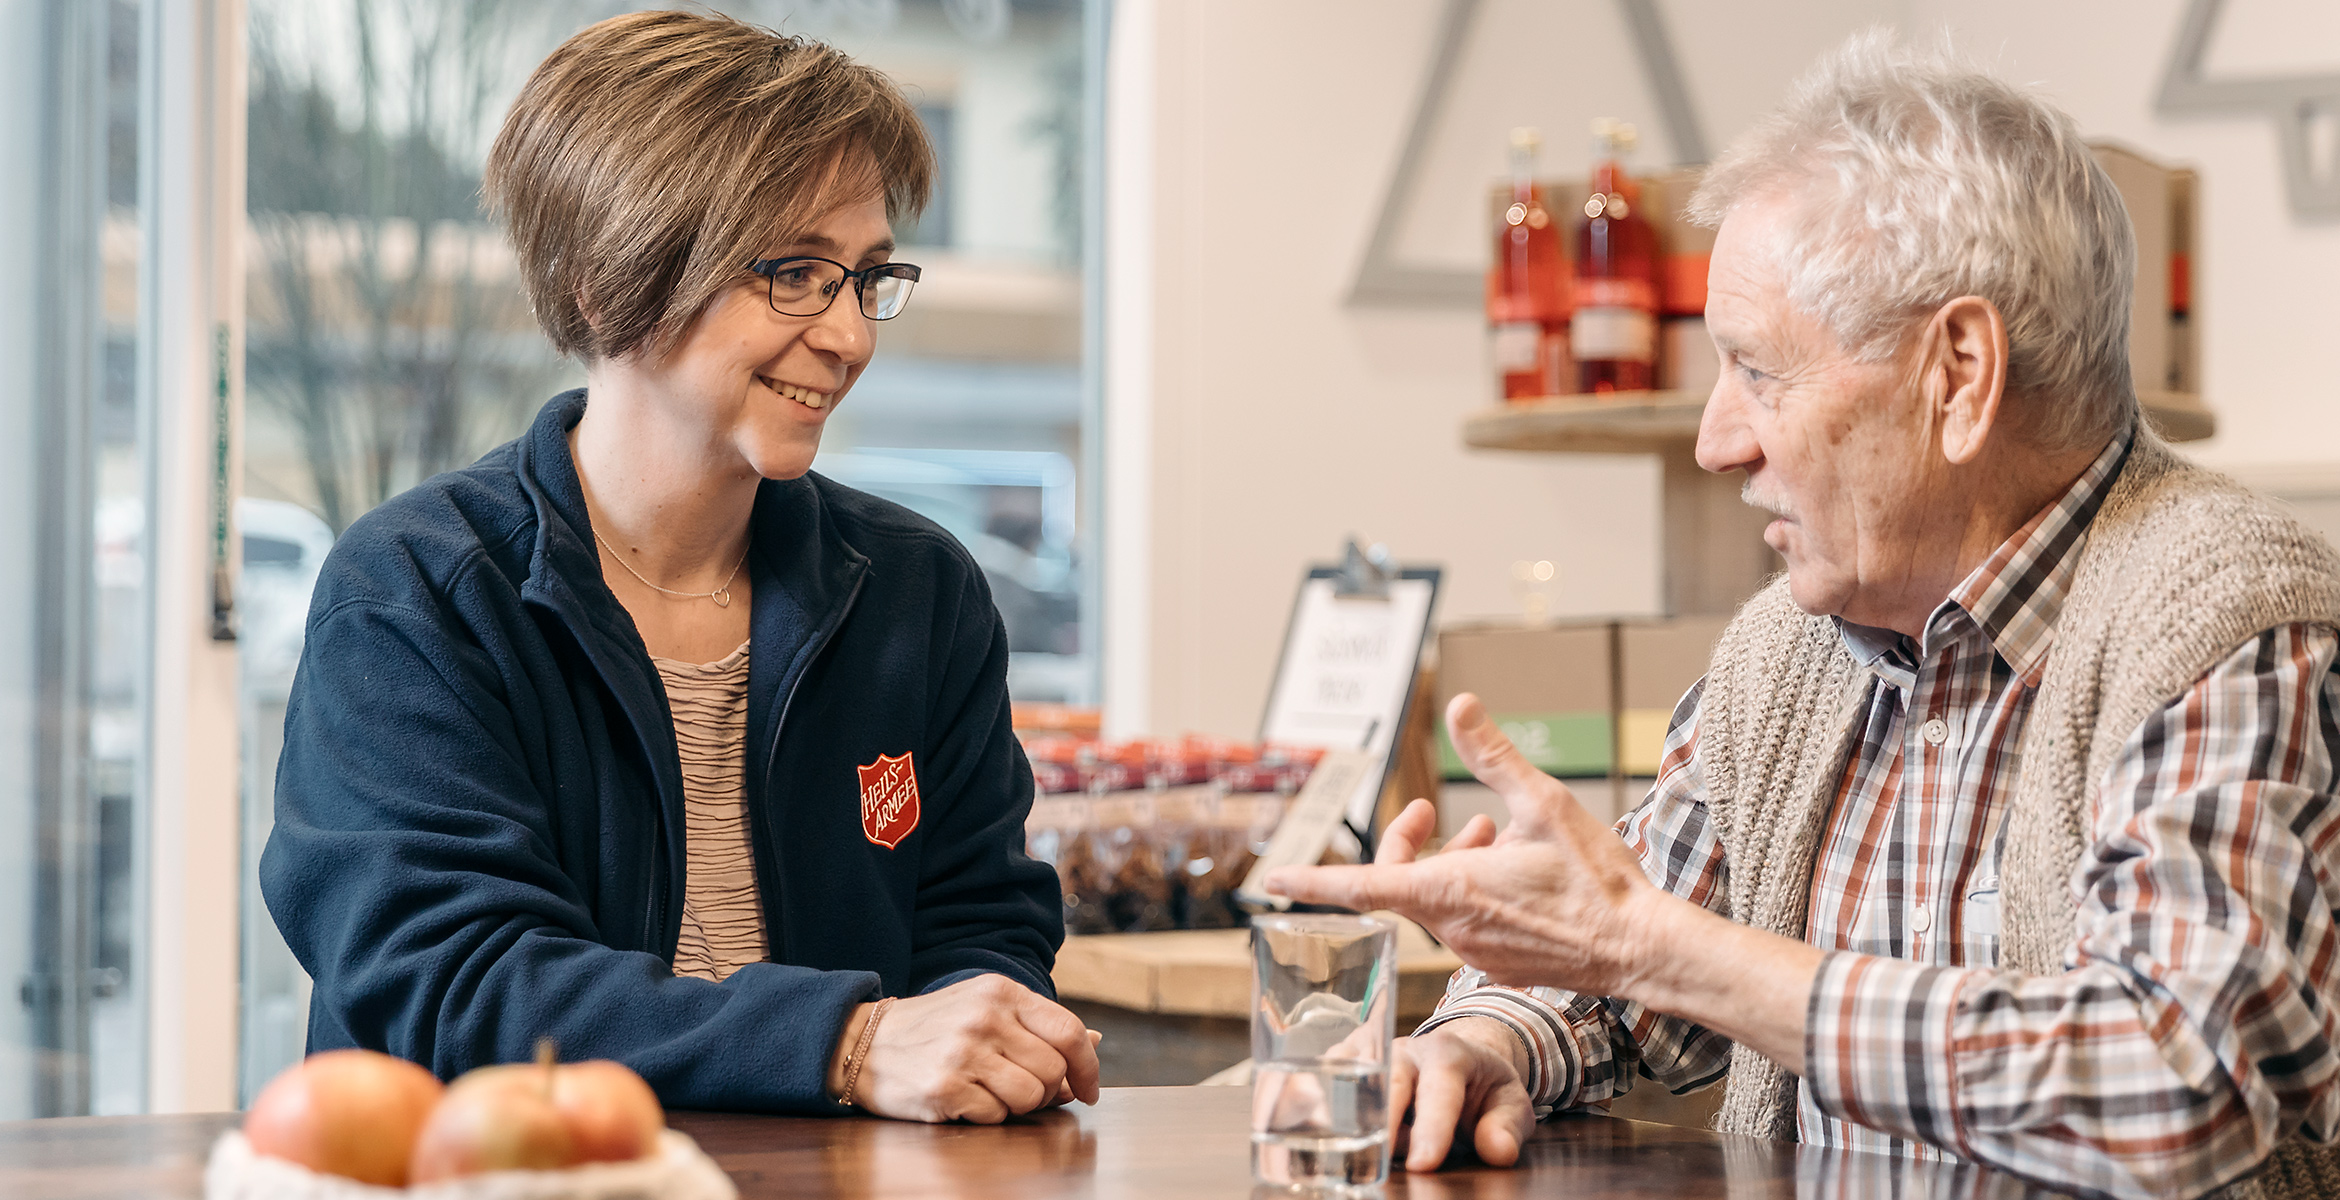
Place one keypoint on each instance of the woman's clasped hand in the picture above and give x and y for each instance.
(981, 1050)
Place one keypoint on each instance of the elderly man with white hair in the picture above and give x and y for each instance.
(2003, 828)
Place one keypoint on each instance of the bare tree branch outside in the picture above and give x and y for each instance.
(388, 337)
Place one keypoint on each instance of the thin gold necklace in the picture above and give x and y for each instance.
(721, 596)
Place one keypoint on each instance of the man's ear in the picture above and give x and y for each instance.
(1964, 369)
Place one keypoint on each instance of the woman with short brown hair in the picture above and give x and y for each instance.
(636, 733)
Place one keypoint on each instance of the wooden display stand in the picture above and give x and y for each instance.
(1207, 972)
(1175, 1006)
(1714, 552)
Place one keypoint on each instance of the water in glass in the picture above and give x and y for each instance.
(1324, 1010)
(1320, 1122)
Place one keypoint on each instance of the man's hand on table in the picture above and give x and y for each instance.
(1466, 1085)
(979, 1050)
(1558, 900)
(1465, 1081)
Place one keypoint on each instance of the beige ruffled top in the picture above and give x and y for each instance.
(723, 916)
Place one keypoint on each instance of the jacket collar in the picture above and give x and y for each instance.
(802, 565)
(564, 572)
(806, 576)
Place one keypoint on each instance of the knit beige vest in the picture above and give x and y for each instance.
(2181, 566)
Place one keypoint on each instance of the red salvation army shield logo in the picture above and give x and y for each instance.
(889, 799)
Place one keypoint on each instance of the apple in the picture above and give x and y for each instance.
(353, 1113)
(538, 1116)
(613, 1115)
(493, 1119)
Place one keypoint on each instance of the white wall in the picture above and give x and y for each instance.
(1277, 419)
(1282, 420)
(2269, 308)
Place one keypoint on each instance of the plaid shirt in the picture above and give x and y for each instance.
(2193, 1027)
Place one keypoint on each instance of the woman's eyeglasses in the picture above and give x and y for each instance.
(805, 286)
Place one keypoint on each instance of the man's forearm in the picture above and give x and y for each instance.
(1747, 985)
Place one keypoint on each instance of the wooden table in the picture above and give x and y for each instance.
(1142, 1143)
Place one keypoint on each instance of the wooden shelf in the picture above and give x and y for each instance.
(1658, 422)
(1618, 423)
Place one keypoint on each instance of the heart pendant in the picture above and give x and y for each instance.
(722, 597)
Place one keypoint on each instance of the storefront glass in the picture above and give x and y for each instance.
(387, 338)
(75, 582)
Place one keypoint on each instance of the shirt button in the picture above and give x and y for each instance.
(1935, 731)
(1921, 920)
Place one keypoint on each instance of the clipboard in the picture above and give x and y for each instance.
(1344, 681)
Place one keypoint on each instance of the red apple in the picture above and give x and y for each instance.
(352, 1113)
(612, 1115)
(494, 1119)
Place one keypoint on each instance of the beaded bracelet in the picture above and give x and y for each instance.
(860, 1053)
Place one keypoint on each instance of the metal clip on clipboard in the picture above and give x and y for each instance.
(1344, 682)
(1364, 574)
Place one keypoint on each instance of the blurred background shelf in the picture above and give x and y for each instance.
(1713, 556)
(1658, 422)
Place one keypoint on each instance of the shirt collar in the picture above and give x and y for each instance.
(2017, 593)
(1884, 651)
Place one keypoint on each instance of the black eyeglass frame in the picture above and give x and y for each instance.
(770, 269)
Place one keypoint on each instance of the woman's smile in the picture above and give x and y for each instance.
(801, 395)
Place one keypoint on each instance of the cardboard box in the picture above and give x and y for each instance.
(1657, 662)
(2165, 323)
(1687, 248)
(2185, 338)
(1551, 688)
(2145, 188)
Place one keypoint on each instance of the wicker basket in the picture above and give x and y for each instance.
(680, 1171)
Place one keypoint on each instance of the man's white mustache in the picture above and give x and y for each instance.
(1777, 508)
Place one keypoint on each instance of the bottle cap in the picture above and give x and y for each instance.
(1615, 135)
(1526, 138)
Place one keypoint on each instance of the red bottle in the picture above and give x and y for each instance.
(1613, 333)
(1527, 288)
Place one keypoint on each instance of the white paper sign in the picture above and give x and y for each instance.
(1348, 670)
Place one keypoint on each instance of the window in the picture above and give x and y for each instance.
(972, 413)
(73, 563)
(387, 339)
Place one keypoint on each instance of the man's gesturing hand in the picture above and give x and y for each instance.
(1559, 900)
(978, 1050)
(1556, 899)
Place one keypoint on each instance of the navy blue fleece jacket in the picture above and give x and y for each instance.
(479, 809)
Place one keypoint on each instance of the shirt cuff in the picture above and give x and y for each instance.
(1878, 1046)
(960, 976)
(1555, 1059)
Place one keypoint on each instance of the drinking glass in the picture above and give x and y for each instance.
(1323, 1011)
